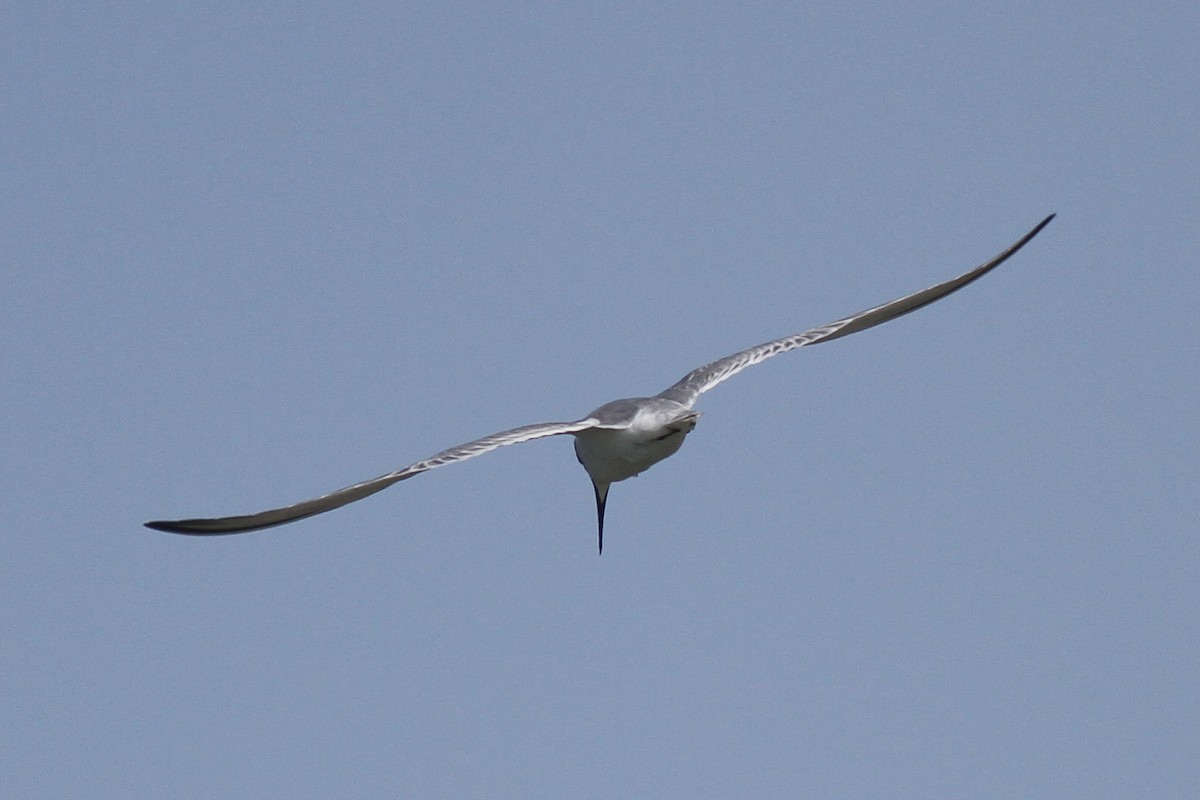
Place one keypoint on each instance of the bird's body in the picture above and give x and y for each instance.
(633, 435)
(619, 439)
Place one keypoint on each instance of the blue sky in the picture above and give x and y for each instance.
(252, 254)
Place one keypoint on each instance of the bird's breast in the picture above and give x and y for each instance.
(610, 455)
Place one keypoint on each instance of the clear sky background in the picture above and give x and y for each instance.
(255, 252)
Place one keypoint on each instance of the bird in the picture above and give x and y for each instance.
(620, 439)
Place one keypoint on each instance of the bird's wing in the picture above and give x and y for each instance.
(327, 502)
(704, 378)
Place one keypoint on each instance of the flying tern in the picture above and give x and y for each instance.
(619, 439)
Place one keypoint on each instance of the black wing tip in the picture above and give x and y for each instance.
(1024, 240)
(168, 527)
(186, 527)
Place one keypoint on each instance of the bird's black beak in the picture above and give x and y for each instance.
(601, 499)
